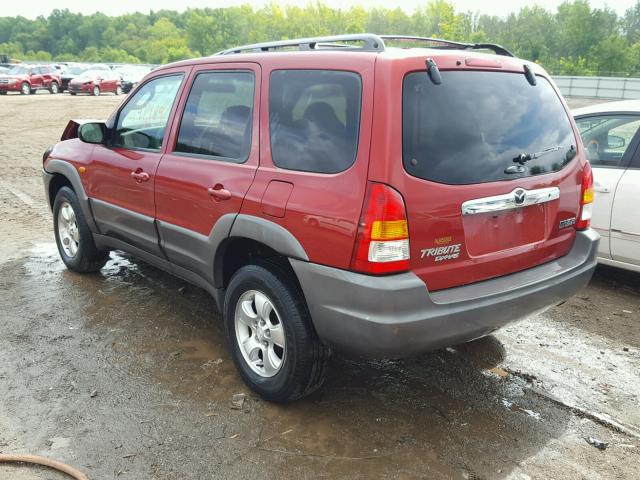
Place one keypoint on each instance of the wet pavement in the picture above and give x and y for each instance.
(151, 350)
(126, 374)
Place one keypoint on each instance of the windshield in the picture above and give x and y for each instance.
(133, 74)
(19, 70)
(478, 127)
(93, 74)
(74, 70)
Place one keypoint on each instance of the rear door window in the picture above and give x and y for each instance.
(314, 119)
(472, 127)
(218, 116)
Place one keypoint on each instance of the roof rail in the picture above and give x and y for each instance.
(498, 49)
(371, 43)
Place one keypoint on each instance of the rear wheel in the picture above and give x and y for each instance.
(73, 237)
(96, 91)
(72, 93)
(54, 88)
(25, 89)
(118, 90)
(271, 337)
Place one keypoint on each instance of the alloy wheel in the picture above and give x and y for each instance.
(68, 232)
(260, 333)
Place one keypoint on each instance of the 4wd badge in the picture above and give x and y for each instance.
(569, 222)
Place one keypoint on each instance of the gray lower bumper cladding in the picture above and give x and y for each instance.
(396, 316)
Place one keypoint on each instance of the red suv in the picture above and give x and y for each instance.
(27, 79)
(335, 193)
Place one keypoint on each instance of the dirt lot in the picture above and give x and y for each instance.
(125, 374)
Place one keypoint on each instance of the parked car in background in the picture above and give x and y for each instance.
(96, 82)
(99, 66)
(4, 69)
(70, 72)
(131, 76)
(455, 203)
(28, 79)
(610, 134)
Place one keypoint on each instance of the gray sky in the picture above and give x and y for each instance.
(33, 8)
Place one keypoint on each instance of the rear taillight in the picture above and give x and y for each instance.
(586, 199)
(382, 244)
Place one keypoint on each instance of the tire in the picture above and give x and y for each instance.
(3, 93)
(72, 93)
(25, 89)
(303, 360)
(85, 257)
(53, 89)
(96, 91)
(118, 90)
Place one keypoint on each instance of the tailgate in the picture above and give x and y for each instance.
(491, 180)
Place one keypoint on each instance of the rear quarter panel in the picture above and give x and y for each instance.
(323, 210)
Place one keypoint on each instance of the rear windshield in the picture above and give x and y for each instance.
(471, 127)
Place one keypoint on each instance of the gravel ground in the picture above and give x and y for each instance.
(125, 374)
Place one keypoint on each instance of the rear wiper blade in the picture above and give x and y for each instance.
(525, 157)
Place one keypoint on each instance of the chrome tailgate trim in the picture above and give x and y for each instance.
(518, 198)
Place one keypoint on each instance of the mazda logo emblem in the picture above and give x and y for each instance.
(520, 196)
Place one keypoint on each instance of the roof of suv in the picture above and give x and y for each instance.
(370, 46)
(392, 54)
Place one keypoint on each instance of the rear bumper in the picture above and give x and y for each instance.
(396, 316)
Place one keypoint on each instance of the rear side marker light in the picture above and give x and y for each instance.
(586, 199)
(382, 244)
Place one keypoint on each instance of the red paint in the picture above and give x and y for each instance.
(183, 182)
(323, 210)
(35, 79)
(275, 198)
(106, 81)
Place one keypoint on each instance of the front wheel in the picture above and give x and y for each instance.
(25, 89)
(118, 90)
(73, 237)
(270, 334)
(54, 88)
(96, 91)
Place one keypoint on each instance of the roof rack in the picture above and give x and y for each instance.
(498, 49)
(371, 43)
(368, 42)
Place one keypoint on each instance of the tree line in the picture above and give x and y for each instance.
(574, 40)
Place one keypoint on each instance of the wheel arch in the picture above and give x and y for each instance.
(255, 240)
(59, 173)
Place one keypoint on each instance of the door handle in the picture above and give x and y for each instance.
(140, 176)
(219, 192)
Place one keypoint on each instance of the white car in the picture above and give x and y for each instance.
(610, 135)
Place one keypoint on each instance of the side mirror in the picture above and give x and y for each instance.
(614, 141)
(94, 132)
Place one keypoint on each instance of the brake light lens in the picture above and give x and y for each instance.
(586, 199)
(382, 244)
